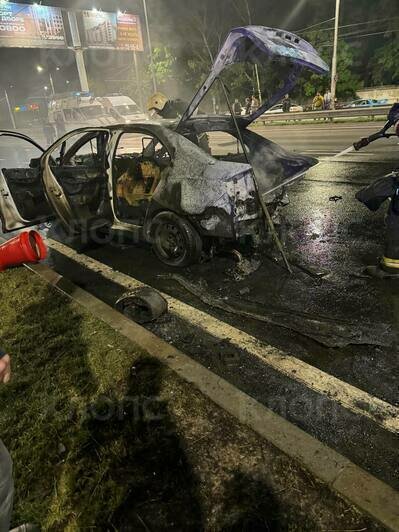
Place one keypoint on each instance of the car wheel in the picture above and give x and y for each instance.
(175, 241)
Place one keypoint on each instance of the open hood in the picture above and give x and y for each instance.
(258, 44)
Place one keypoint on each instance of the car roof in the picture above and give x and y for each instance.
(126, 127)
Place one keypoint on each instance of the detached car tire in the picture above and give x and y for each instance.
(174, 240)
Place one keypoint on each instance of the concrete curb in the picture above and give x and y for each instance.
(372, 496)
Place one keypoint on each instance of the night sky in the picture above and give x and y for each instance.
(167, 20)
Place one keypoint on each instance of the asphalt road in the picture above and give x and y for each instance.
(326, 230)
(338, 238)
(329, 139)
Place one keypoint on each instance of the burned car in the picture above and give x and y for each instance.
(153, 180)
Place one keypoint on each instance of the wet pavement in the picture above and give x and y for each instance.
(337, 237)
(327, 139)
(326, 231)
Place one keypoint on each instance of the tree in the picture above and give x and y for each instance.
(385, 64)
(163, 63)
(348, 81)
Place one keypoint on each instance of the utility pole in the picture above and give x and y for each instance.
(256, 65)
(52, 84)
(138, 81)
(10, 110)
(147, 25)
(258, 83)
(334, 77)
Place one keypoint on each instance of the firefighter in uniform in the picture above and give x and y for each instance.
(373, 196)
(167, 109)
(173, 109)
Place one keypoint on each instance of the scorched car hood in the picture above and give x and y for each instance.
(256, 44)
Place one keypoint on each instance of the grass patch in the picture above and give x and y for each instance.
(82, 416)
(104, 437)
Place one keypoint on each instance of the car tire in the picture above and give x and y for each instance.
(174, 240)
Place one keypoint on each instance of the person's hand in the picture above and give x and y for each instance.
(5, 369)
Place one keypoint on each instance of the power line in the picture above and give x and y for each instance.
(367, 34)
(359, 36)
(357, 24)
(314, 25)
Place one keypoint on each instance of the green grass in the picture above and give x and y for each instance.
(73, 417)
(105, 438)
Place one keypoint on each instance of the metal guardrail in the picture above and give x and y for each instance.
(371, 112)
(352, 112)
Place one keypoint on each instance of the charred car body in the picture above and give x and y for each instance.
(155, 180)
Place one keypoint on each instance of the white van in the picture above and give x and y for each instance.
(80, 110)
(123, 109)
(84, 109)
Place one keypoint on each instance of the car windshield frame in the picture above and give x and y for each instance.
(89, 108)
(132, 109)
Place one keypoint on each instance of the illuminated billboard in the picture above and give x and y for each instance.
(120, 31)
(31, 26)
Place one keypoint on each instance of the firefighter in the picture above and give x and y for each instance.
(173, 109)
(373, 196)
(165, 108)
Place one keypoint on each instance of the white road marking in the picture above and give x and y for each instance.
(357, 401)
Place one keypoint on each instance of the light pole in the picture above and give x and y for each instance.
(334, 77)
(40, 69)
(154, 80)
(10, 109)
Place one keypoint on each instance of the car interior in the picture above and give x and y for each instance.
(139, 163)
(80, 167)
(19, 159)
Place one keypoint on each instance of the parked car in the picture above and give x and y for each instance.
(154, 180)
(365, 103)
(295, 108)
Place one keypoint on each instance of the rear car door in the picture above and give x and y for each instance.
(23, 202)
(76, 174)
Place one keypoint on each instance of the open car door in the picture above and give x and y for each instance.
(76, 174)
(23, 201)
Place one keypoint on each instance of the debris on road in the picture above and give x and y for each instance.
(335, 199)
(297, 260)
(328, 332)
(244, 268)
(142, 305)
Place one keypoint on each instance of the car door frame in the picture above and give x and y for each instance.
(153, 131)
(11, 218)
(55, 193)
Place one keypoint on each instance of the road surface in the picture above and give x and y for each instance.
(347, 397)
(329, 139)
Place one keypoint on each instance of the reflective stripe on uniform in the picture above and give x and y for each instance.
(390, 263)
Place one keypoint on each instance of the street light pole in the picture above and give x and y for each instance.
(154, 81)
(334, 77)
(52, 84)
(10, 110)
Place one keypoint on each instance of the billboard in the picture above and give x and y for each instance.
(120, 31)
(31, 26)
